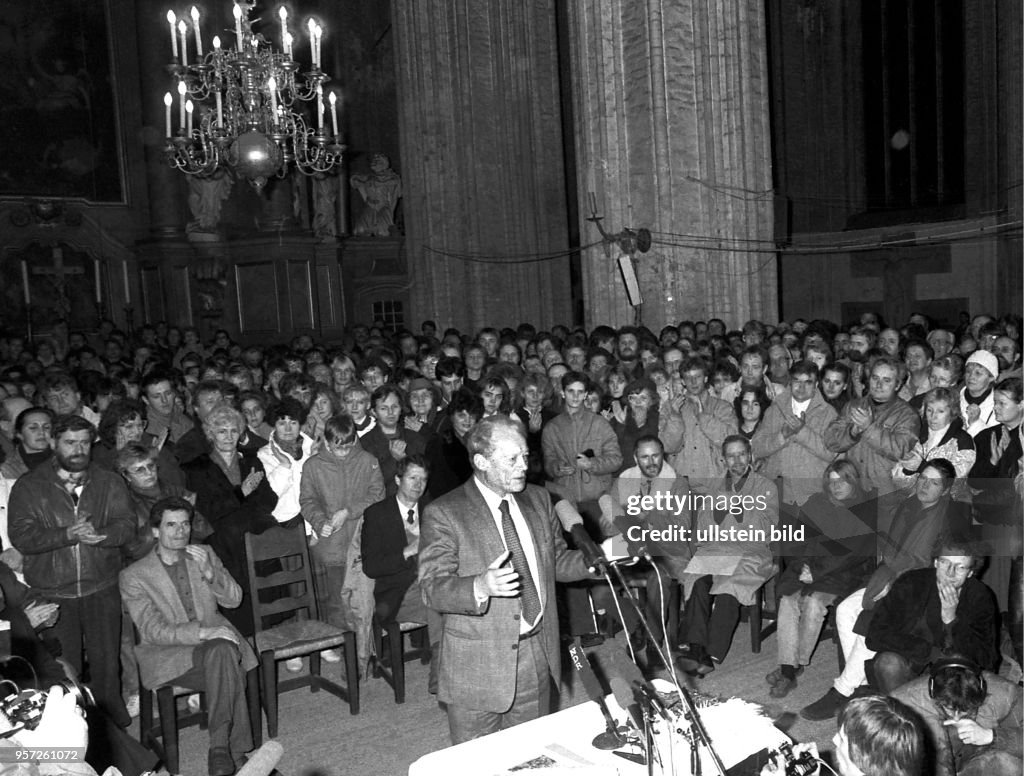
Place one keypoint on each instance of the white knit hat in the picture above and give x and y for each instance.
(985, 359)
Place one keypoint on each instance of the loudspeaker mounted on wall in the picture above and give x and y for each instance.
(629, 278)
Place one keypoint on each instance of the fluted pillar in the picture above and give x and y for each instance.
(673, 134)
(482, 171)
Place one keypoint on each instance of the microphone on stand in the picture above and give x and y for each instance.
(610, 739)
(572, 523)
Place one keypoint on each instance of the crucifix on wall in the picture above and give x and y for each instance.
(64, 286)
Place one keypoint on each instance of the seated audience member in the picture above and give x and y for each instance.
(998, 506)
(446, 451)
(581, 450)
(907, 545)
(790, 441)
(973, 718)
(646, 497)
(338, 484)
(727, 570)
(835, 558)
(123, 423)
(32, 437)
(172, 596)
(389, 441)
(942, 436)
(390, 546)
(930, 613)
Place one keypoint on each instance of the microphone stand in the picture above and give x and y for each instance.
(698, 731)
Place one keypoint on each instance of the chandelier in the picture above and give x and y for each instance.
(242, 108)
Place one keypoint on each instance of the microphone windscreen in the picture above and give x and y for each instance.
(263, 760)
(567, 515)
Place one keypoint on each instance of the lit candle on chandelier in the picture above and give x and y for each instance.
(319, 106)
(237, 12)
(171, 20)
(181, 103)
(189, 107)
(220, 111)
(167, 114)
(311, 25)
(272, 86)
(282, 13)
(288, 45)
(199, 35)
(182, 29)
(334, 113)
(317, 33)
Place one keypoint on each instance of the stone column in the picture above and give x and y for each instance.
(673, 134)
(482, 170)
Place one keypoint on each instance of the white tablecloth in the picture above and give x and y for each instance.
(561, 744)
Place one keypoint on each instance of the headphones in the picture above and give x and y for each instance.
(955, 662)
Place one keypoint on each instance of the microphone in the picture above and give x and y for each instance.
(626, 700)
(572, 523)
(610, 739)
(263, 761)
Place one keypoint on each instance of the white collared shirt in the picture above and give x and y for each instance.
(412, 530)
(525, 538)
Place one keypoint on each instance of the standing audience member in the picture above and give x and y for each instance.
(977, 405)
(69, 519)
(338, 484)
(790, 441)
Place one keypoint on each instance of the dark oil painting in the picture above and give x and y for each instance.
(58, 126)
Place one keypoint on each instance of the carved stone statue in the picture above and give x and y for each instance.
(381, 191)
(205, 199)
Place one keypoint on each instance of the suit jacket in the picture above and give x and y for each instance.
(383, 559)
(166, 635)
(458, 541)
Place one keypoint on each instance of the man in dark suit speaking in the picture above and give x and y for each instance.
(490, 553)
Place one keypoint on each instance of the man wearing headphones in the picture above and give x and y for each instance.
(974, 718)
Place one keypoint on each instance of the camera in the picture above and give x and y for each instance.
(804, 765)
(24, 708)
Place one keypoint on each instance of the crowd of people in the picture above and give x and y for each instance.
(889, 457)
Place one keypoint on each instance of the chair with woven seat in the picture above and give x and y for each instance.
(285, 613)
(162, 737)
(390, 663)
